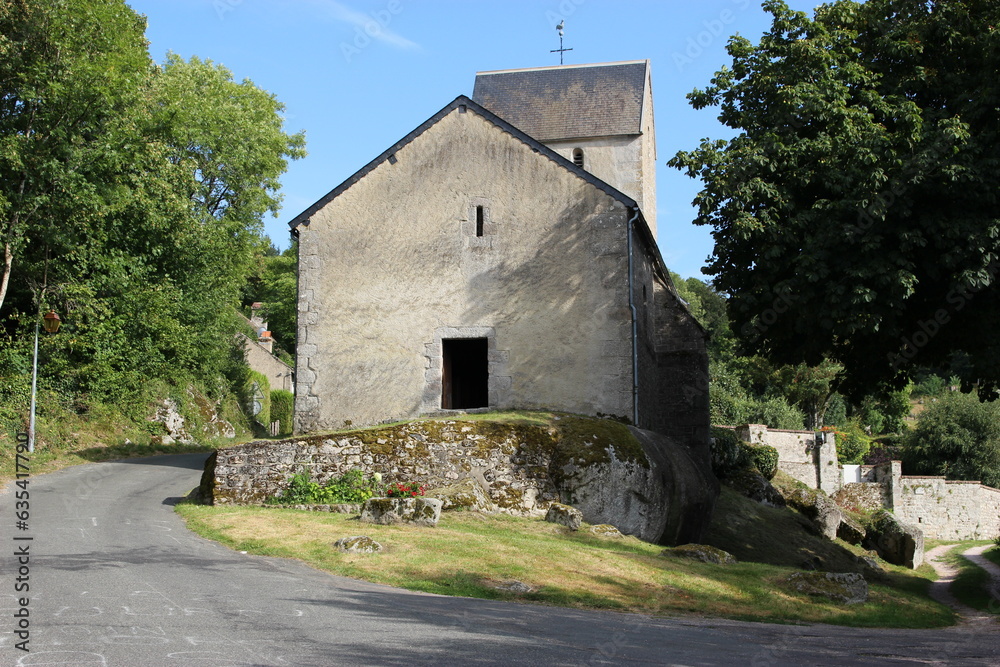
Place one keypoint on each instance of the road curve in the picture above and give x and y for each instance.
(116, 580)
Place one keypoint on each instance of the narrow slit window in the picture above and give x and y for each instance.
(578, 157)
(479, 220)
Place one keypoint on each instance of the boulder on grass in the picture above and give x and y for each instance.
(850, 530)
(896, 542)
(750, 483)
(466, 494)
(358, 544)
(701, 552)
(604, 530)
(843, 587)
(564, 515)
(416, 511)
(816, 505)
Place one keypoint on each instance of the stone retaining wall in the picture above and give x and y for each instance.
(427, 453)
(643, 483)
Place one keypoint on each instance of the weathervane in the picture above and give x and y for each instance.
(560, 50)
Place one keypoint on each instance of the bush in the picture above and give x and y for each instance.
(282, 410)
(762, 457)
(725, 451)
(351, 487)
(728, 407)
(853, 444)
(958, 437)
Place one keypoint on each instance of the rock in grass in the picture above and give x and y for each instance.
(817, 506)
(564, 515)
(604, 530)
(358, 544)
(850, 530)
(416, 511)
(896, 542)
(466, 494)
(514, 586)
(842, 587)
(701, 552)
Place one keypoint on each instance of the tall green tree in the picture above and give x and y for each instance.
(856, 213)
(958, 437)
(71, 72)
(146, 217)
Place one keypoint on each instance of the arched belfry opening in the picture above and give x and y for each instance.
(578, 157)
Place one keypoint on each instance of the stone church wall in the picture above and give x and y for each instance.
(673, 361)
(393, 266)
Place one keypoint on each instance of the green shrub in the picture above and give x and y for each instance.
(351, 487)
(762, 457)
(282, 410)
(256, 388)
(853, 444)
(725, 451)
(732, 408)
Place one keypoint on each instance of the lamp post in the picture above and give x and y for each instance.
(51, 323)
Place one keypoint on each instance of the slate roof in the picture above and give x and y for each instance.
(567, 102)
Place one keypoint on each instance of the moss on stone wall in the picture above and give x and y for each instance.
(520, 446)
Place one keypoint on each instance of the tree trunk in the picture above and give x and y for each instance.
(8, 259)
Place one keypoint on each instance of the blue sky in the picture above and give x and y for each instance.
(357, 75)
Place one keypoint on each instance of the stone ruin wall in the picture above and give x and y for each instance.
(950, 509)
(432, 454)
(797, 455)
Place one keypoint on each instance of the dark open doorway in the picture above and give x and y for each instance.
(465, 374)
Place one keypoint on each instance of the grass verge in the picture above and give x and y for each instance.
(467, 554)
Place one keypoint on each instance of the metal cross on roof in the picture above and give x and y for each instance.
(560, 50)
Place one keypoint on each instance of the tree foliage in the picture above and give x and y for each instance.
(957, 436)
(856, 213)
(274, 283)
(131, 198)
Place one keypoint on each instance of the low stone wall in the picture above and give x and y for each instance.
(810, 460)
(427, 453)
(943, 509)
(649, 486)
(950, 509)
(862, 496)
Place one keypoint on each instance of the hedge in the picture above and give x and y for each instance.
(282, 409)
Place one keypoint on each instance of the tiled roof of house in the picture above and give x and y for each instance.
(567, 102)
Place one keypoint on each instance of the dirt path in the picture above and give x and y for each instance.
(940, 589)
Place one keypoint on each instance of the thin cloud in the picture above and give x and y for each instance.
(376, 25)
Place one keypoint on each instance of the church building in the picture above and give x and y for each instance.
(502, 255)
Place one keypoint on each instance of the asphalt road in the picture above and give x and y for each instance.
(117, 580)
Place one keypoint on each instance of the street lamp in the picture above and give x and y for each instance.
(51, 322)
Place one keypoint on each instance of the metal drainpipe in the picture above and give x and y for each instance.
(635, 319)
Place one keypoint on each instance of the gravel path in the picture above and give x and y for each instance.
(940, 590)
